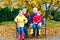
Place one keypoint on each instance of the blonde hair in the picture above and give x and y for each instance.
(39, 12)
(20, 11)
(35, 8)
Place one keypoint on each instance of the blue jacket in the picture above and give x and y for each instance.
(31, 18)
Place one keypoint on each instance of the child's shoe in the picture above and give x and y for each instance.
(39, 31)
(19, 36)
(31, 32)
(22, 36)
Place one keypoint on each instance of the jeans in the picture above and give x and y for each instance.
(34, 27)
(25, 30)
(20, 30)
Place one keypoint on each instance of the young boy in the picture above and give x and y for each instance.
(37, 21)
(26, 25)
(20, 20)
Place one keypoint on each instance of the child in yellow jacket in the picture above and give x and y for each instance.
(20, 21)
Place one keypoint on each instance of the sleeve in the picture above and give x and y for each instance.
(16, 19)
(27, 15)
(40, 19)
(25, 20)
(34, 19)
(40, 24)
(30, 19)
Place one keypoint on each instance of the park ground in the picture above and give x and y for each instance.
(8, 31)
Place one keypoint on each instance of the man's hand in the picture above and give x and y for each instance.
(31, 25)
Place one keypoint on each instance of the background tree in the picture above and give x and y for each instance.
(45, 6)
(48, 8)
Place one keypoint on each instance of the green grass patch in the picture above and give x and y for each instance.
(55, 24)
(52, 22)
(47, 22)
(7, 22)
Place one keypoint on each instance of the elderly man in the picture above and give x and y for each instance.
(35, 10)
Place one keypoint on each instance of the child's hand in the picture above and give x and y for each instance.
(24, 22)
(17, 24)
(40, 24)
(35, 23)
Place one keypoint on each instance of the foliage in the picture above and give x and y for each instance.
(42, 5)
(7, 15)
(57, 16)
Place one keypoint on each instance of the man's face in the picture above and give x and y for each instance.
(35, 10)
(24, 11)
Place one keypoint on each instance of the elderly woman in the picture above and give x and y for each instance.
(26, 25)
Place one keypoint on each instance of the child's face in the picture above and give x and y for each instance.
(20, 13)
(38, 13)
(24, 11)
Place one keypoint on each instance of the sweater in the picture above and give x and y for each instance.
(31, 18)
(21, 20)
(37, 19)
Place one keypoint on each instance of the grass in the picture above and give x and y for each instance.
(7, 22)
(47, 22)
(55, 24)
(52, 22)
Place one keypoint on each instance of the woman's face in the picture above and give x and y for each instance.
(24, 11)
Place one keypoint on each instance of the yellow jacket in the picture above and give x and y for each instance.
(21, 20)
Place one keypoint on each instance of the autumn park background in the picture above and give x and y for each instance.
(50, 10)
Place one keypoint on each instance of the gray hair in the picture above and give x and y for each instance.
(35, 8)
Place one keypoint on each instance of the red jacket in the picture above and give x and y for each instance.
(37, 19)
(26, 15)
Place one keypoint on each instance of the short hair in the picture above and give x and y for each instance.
(35, 8)
(24, 8)
(39, 12)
